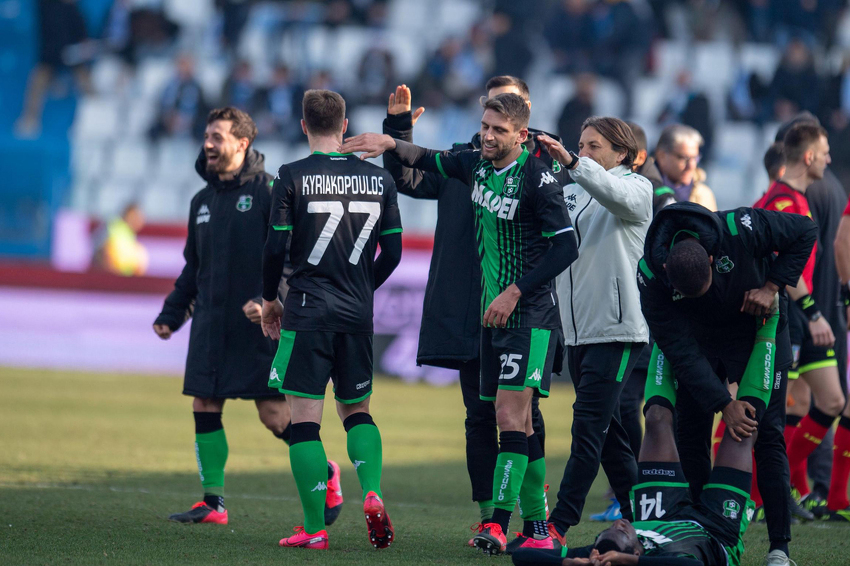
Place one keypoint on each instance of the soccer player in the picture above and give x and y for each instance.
(525, 239)
(228, 355)
(837, 501)
(807, 156)
(704, 275)
(451, 328)
(611, 209)
(338, 209)
(670, 529)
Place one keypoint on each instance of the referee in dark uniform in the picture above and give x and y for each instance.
(228, 355)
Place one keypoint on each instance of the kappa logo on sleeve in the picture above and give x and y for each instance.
(747, 221)
(546, 178)
(203, 214)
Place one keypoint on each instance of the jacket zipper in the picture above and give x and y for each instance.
(619, 303)
(572, 286)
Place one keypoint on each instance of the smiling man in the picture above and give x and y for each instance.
(525, 239)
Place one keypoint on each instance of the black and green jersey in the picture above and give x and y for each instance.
(337, 207)
(680, 538)
(516, 209)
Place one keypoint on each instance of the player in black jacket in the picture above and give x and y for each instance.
(450, 332)
(338, 209)
(228, 356)
(710, 336)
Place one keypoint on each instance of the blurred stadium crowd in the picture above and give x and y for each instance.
(148, 71)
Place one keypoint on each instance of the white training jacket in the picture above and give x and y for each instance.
(598, 294)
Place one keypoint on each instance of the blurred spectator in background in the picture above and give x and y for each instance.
(835, 114)
(118, 250)
(63, 44)
(794, 87)
(774, 161)
(746, 97)
(578, 109)
(181, 107)
(240, 91)
(511, 51)
(677, 156)
(644, 164)
(376, 75)
(133, 31)
(279, 108)
(569, 33)
(809, 20)
(688, 106)
(455, 71)
(234, 14)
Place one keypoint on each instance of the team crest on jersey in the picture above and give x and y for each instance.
(244, 203)
(724, 264)
(511, 186)
(731, 509)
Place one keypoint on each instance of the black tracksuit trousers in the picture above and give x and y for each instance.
(599, 372)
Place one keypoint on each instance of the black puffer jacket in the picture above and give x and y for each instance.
(228, 222)
(742, 243)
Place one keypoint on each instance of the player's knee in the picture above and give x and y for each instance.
(507, 419)
(272, 418)
(206, 405)
(832, 405)
(657, 419)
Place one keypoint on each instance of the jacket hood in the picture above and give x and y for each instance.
(650, 170)
(529, 143)
(254, 165)
(674, 218)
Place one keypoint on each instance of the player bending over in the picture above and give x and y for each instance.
(671, 530)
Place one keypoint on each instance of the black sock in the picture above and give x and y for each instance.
(286, 435)
(214, 501)
(502, 517)
(792, 420)
(535, 529)
(780, 545)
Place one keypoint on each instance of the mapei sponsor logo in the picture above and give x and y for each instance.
(363, 385)
(203, 214)
(503, 207)
(505, 479)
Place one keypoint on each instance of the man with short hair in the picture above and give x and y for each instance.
(338, 209)
(806, 151)
(228, 356)
(524, 240)
(677, 155)
(700, 312)
(450, 332)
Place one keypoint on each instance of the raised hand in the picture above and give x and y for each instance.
(555, 149)
(372, 145)
(400, 103)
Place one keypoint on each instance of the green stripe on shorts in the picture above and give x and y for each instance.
(726, 487)
(624, 362)
(537, 352)
(281, 358)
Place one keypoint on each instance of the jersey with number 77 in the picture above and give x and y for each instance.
(337, 207)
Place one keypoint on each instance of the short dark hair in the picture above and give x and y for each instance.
(640, 135)
(800, 138)
(511, 106)
(508, 80)
(617, 132)
(774, 159)
(241, 124)
(688, 267)
(324, 112)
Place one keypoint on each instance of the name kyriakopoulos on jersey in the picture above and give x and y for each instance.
(342, 185)
(503, 207)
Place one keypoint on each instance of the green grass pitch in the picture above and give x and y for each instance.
(92, 464)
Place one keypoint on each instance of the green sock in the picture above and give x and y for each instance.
(211, 452)
(531, 493)
(757, 381)
(310, 469)
(486, 510)
(507, 479)
(660, 381)
(364, 451)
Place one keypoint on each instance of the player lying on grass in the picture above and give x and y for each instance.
(671, 530)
